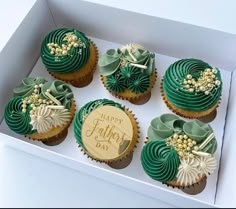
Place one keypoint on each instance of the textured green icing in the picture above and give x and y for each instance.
(60, 91)
(115, 83)
(76, 58)
(196, 101)
(140, 83)
(159, 161)
(27, 86)
(128, 73)
(16, 120)
(84, 112)
(167, 124)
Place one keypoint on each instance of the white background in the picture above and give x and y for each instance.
(22, 182)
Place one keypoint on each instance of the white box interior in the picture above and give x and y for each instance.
(114, 28)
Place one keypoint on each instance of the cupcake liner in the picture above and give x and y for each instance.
(141, 98)
(56, 133)
(119, 163)
(83, 76)
(188, 114)
(193, 189)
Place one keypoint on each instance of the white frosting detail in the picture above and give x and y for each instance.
(131, 47)
(60, 117)
(41, 119)
(188, 172)
(207, 165)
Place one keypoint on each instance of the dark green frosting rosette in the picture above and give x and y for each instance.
(177, 95)
(140, 83)
(75, 58)
(115, 83)
(84, 112)
(160, 162)
(17, 120)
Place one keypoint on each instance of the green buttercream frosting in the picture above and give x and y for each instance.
(16, 120)
(85, 111)
(160, 162)
(181, 97)
(120, 62)
(60, 91)
(140, 83)
(27, 86)
(166, 125)
(115, 83)
(129, 73)
(73, 61)
(19, 120)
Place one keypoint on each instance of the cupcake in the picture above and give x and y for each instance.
(179, 154)
(192, 88)
(41, 110)
(70, 56)
(128, 72)
(107, 132)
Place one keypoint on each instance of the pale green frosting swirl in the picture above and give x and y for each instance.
(159, 161)
(177, 95)
(60, 91)
(73, 61)
(167, 124)
(85, 111)
(111, 61)
(27, 86)
(16, 120)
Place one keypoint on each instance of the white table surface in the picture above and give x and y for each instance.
(28, 181)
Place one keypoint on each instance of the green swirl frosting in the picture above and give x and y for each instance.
(73, 61)
(167, 124)
(160, 162)
(115, 83)
(128, 73)
(140, 83)
(60, 91)
(177, 95)
(85, 111)
(16, 120)
(27, 86)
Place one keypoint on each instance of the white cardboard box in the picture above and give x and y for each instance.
(114, 27)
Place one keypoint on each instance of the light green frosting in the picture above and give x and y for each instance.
(60, 91)
(85, 111)
(167, 124)
(27, 86)
(16, 120)
(110, 62)
(73, 61)
(182, 98)
(159, 161)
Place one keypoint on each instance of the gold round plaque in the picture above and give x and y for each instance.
(107, 133)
